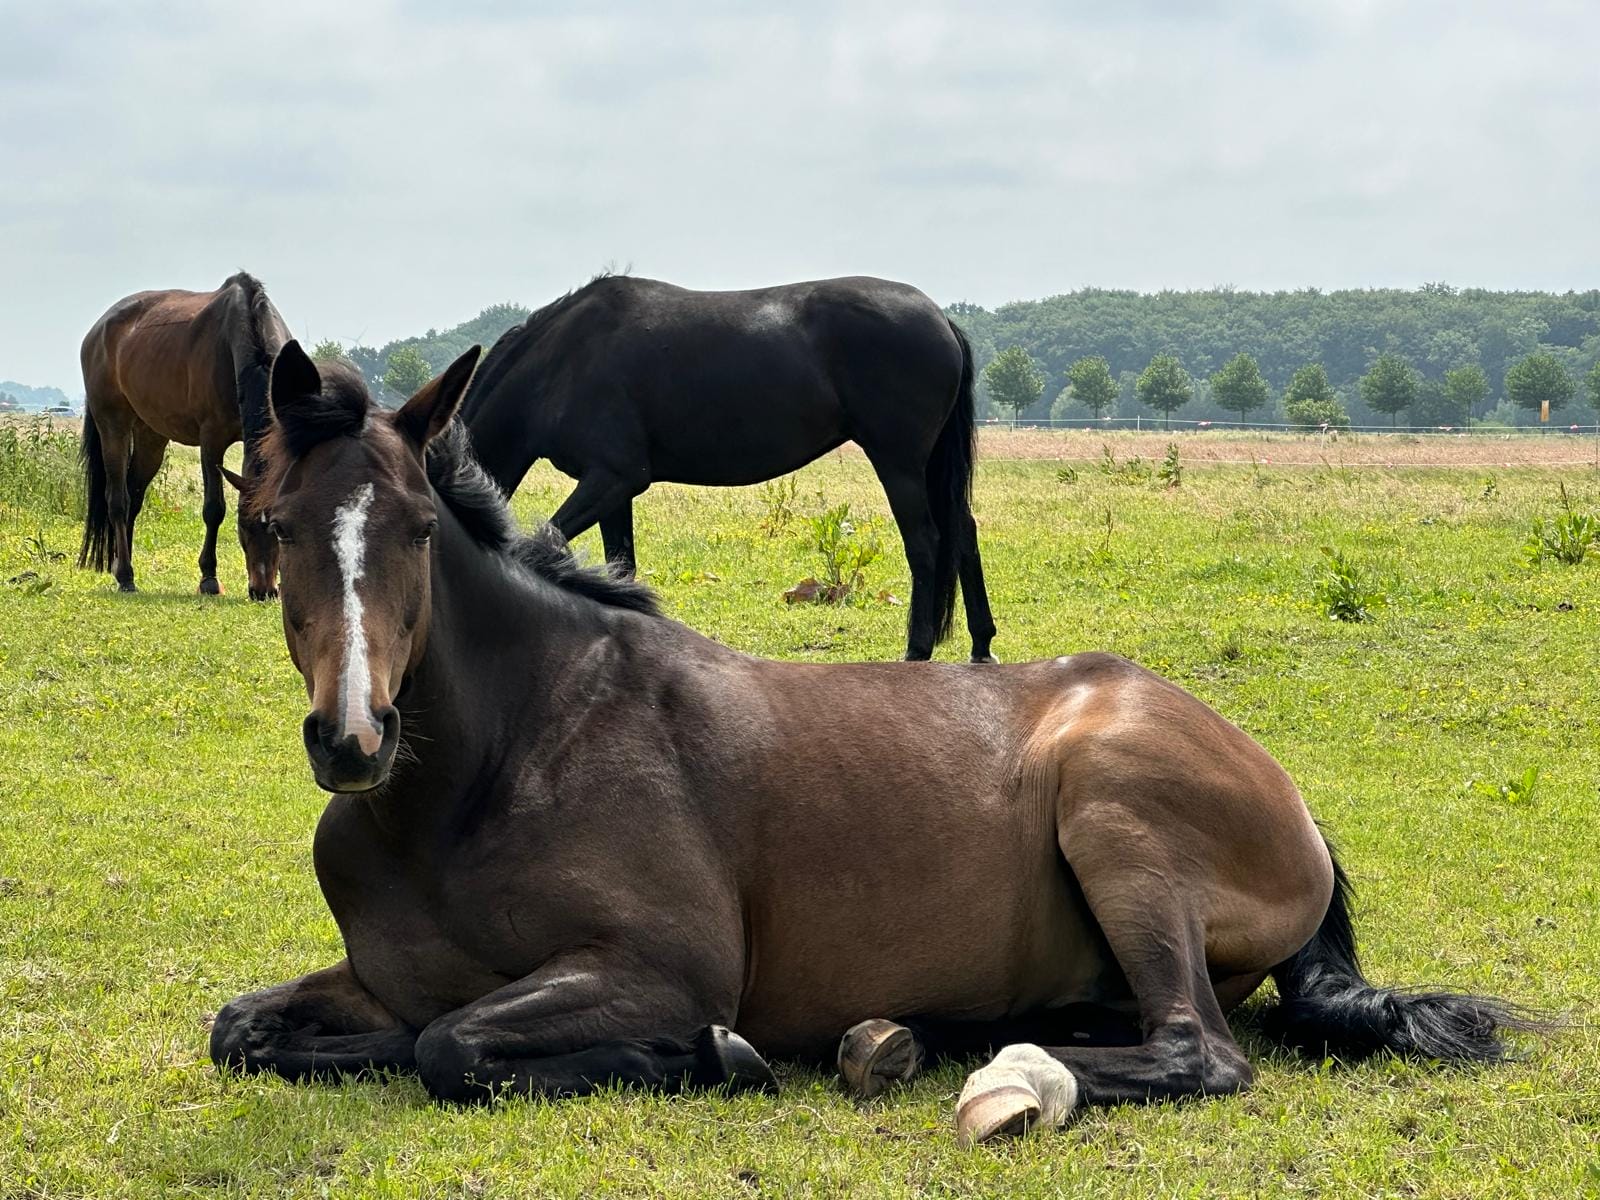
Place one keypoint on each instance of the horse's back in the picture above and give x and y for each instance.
(676, 384)
(168, 355)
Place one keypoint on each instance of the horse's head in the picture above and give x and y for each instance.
(255, 538)
(346, 499)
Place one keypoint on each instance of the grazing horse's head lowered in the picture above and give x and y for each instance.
(261, 551)
(346, 496)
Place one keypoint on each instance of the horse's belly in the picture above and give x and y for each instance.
(1026, 944)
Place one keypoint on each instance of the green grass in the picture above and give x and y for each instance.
(157, 812)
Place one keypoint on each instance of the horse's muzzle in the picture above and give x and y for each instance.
(340, 764)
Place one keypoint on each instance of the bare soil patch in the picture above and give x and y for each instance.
(1553, 449)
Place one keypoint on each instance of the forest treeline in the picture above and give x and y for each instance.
(1432, 330)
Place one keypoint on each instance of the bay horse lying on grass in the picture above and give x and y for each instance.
(186, 367)
(628, 382)
(575, 843)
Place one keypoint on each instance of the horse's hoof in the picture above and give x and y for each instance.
(738, 1067)
(1021, 1089)
(210, 587)
(126, 585)
(263, 597)
(876, 1054)
(1008, 1111)
(985, 658)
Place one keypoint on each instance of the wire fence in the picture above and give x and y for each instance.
(1146, 424)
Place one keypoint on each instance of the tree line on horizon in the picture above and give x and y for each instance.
(1431, 356)
(1536, 384)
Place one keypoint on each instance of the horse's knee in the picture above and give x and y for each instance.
(244, 1038)
(448, 1064)
(212, 512)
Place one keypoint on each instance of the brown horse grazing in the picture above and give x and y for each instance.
(616, 851)
(175, 366)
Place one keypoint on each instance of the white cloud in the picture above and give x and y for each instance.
(388, 167)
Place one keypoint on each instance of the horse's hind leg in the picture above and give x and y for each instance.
(149, 448)
(213, 512)
(115, 422)
(567, 1030)
(1157, 938)
(323, 1024)
(974, 595)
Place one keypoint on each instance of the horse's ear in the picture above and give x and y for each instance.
(238, 482)
(294, 378)
(430, 410)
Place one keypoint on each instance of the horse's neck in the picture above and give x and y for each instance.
(498, 644)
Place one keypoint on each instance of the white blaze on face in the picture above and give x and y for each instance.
(355, 675)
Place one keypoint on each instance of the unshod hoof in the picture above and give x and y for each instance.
(876, 1054)
(1022, 1088)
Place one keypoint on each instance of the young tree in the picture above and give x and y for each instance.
(1164, 385)
(1015, 380)
(1466, 388)
(1238, 386)
(328, 350)
(407, 371)
(1390, 386)
(1538, 378)
(1316, 414)
(1092, 385)
(1310, 382)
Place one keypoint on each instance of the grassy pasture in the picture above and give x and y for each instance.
(156, 816)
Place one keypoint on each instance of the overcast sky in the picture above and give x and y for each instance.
(389, 166)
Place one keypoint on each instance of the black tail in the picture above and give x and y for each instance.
(1327, 1006)
(950, 489)
(96, 549)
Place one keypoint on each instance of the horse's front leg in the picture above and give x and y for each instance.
(324, 1024)
(579, 1024)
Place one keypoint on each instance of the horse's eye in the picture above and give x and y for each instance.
(427, 533)
(278, 531)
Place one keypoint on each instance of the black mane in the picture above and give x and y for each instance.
(477, 503)
(530, 329)
(343, 408)
(257, 307)
(253, 351)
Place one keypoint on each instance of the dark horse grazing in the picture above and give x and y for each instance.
(616, 851)
(175, 366)
(628, 382)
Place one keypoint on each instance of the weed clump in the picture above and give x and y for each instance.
(1343, 591)
(846, 548)
(1567, 539)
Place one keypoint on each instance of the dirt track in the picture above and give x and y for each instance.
(1289, 449)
